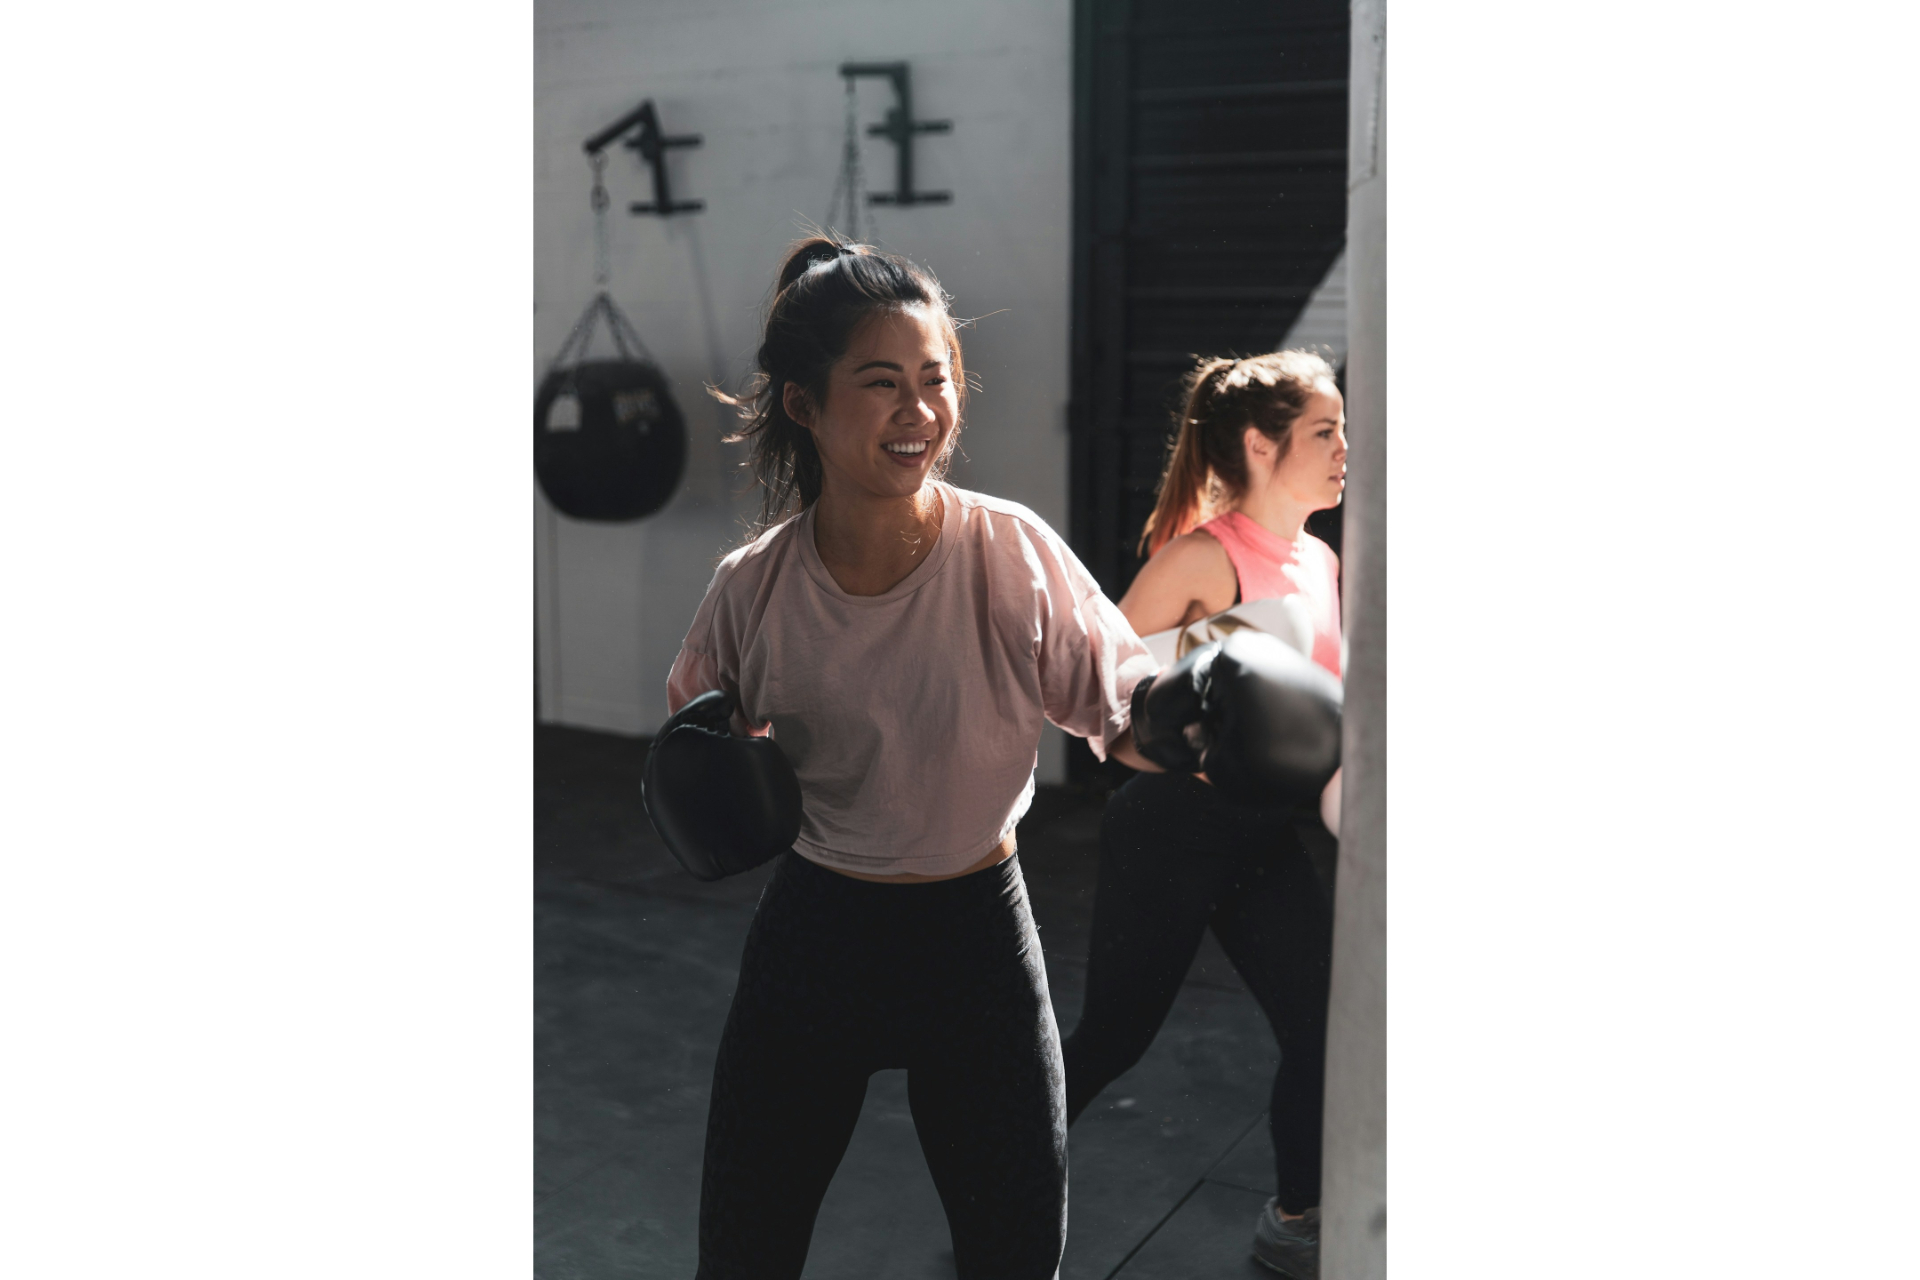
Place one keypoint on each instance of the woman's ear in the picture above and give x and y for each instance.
(1260, 447)
(793, 398)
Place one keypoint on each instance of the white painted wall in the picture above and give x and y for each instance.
(758, 79)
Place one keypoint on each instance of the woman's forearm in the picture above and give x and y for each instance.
(1122, 749)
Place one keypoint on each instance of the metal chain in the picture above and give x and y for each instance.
(852, 180)
(602, 269)
(850, 158)
(626, 339)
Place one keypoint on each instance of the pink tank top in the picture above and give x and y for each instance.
(1268, 567)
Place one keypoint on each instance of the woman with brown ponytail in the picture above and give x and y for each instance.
(902, 640)
(1261, 446)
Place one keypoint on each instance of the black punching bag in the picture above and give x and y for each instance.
(609, 443)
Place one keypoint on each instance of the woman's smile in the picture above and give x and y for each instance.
(892, 394)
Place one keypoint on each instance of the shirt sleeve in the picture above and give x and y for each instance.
(709, 656)
(699, 666)
(694, 672)
(1090, 658)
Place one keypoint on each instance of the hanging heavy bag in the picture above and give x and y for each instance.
(609, 443)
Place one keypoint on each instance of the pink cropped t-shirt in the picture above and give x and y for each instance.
(1269, 566)
(913, 717)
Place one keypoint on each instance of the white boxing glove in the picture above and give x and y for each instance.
(1286, 617)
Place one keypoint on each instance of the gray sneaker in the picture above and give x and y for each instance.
(1291, 1248)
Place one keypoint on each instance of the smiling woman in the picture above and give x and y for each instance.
(902, 642)
(828, 296)
(895, 417)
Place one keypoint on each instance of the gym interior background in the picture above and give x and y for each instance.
(759, 81)
(1129, 181)
(1208, 144)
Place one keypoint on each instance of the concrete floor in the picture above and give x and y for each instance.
(635, 964)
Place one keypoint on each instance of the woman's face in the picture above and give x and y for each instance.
(890, 406)
(1313, 471)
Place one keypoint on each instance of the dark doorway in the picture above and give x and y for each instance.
(1210, 173)
(1210, 167)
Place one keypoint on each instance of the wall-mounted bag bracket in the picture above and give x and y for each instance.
(639, 130)
(899, 128)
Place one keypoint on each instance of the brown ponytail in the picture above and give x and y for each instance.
(1207, 461)
(824, 291)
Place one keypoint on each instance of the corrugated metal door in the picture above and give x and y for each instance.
(1209, 201)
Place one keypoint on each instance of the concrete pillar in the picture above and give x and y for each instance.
(1354, 1194)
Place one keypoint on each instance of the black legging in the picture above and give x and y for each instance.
(1174, 859)
(842, 978)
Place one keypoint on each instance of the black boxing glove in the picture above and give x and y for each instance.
(722, 804)
(1167, 710)
(1260, 719)
(1270, 722)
